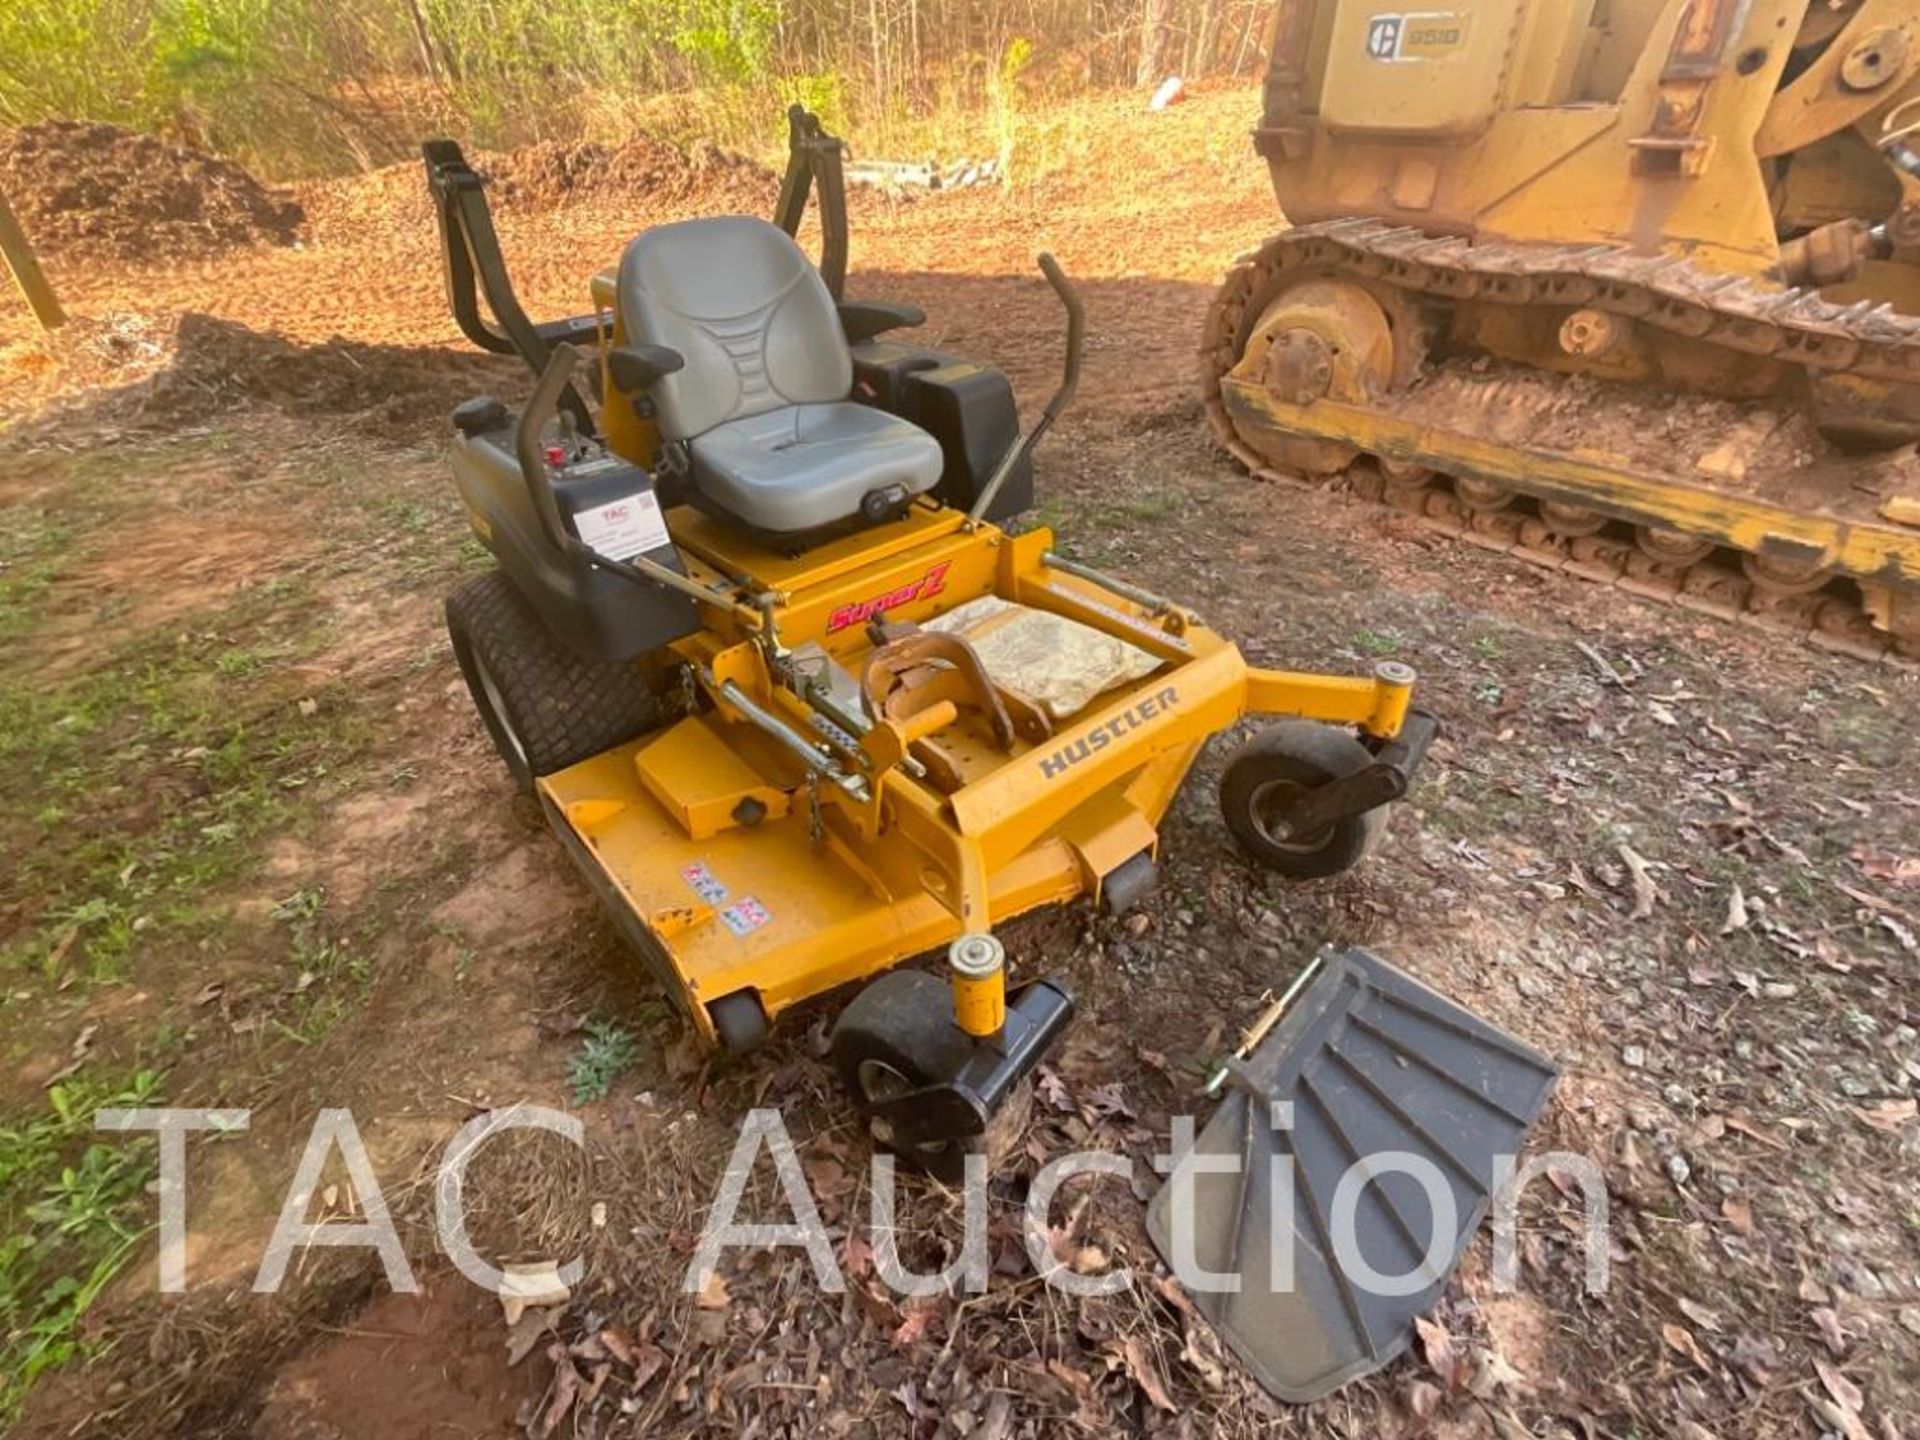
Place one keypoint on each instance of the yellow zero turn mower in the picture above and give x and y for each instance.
(793, 701)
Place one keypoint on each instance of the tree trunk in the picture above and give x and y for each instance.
(1206, 41)
(423, 38)
(1153, 43)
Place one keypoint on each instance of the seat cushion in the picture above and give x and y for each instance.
(804, 467)
(746, 309)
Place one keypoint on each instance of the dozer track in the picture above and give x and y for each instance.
(1781, 552)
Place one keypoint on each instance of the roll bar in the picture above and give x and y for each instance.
(815, 160)
(480, 292)
(1062, 397)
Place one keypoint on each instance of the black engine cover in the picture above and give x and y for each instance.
(966, 406)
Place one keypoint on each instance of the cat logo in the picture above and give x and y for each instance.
(1417, 35)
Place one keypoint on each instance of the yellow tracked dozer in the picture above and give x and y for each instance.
(1630, 288)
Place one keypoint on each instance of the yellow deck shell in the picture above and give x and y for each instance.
(826, 888)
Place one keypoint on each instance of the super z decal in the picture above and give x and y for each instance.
(861, 611)
(1053, 766)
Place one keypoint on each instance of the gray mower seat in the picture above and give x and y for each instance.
(761, 404)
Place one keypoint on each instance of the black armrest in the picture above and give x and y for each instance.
(864, 319)
(635, 368)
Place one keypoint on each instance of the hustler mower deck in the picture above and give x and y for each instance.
(797, 706)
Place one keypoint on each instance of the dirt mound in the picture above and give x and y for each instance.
(101, 191)
(140, 374)
(552, 173)
(399, 393)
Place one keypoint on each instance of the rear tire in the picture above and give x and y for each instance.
(1280, 765)
(544, 706)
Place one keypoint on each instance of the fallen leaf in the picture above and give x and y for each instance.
(1423, 1399)
(1737, 917)
(1828, 1324)
(566, 1388)
(1756, 1359)
(1699, 1314)
(913, 1327)
(1646, 894)
(648, 1361)
(1892, 1116)
(1090, 1260)
(1844, 1422)
(1845, 1393)
(617, 1343)
(1873, 902)
(1444, 1358)
(713, 1293)
(1141, 1367)
(856, 1256)
(1879, 865)
(1601, 664)
(526, 1332)
(58, 954)
(82, 1048)
(1753, 1132)
(1737, 1213)
(1493, 1373)
(1680, 1340)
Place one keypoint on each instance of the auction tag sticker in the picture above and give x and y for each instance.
(705, 883)
(623, 528)
(745, 916)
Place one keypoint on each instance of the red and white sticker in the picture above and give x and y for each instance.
(623, 528)
(704, 883)
(745, 916)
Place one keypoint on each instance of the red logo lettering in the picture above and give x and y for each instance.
(861, 611)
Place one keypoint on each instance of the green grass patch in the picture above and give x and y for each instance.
(155, 775)
(606, 1052)
(74, 1210)
(1377, 642)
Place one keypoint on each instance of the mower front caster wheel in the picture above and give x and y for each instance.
(898, 1036)
(1272, 772)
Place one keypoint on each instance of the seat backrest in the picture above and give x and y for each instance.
(742, 303)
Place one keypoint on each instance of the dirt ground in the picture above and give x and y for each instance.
(1682, 858)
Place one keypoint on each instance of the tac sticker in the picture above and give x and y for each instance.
(705, 884)
(623, 528)
(745, 917)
